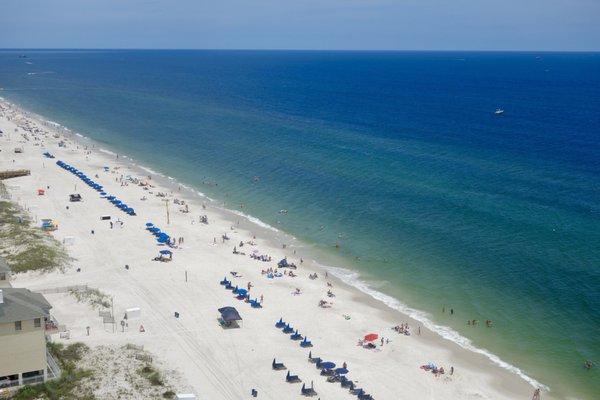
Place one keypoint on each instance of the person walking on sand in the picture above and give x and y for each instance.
(536, 394)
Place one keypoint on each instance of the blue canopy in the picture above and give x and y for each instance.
(165, 252)
(162, 240)
(341, 371)
(242, 292)
(328, 365)
(149, 224)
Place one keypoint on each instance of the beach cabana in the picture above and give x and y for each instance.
(229, 317)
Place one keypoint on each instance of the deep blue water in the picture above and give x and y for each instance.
(398, 157)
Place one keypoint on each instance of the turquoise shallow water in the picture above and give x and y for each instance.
(398, 157)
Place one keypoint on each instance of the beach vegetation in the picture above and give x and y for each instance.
(94, 297)
(68, 386)
(25, 247)
(152, 375)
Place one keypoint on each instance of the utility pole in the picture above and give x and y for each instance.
(167, 207)
(112, 306)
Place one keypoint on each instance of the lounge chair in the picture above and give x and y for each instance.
(288, 329)
(255, 304)
(345, 382)
(327, 372)
(308, 391)
(357, 392)
(292, 378)
(305, 343)
(224, 281)
(365, 397)
(277, 366)
(228, 286)
(296, 336)
(280, 324)
(316, 360)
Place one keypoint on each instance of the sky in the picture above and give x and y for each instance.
(542, 25)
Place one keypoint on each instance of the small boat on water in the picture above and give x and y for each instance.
(499, 111)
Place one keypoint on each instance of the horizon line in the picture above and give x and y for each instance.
(290, 50)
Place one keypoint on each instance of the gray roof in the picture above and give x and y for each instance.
(4, 266)
(22, 305)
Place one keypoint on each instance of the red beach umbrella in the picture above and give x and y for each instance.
(370, 337)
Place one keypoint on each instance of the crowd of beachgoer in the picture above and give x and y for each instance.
(260, 257)
(402, 329)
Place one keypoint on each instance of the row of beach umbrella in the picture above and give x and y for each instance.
(161, 237)
(96, 186)
(240, 293)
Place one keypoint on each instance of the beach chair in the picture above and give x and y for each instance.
(224, 281)
(327, 372)
(292, 378)
(235, 290)
(345, 382)
(316, 360)
(255, 304)
(306, 343)
(310, 391)
(357, 392)
(296, 336)
(365, 397)
(288, 329)
(277, 366)
(310, 357)
(228, 286)
(280, 324)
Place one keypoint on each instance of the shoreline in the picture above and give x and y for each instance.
(502, 375)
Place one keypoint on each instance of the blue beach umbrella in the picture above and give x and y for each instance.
(328, 365)
(341, 371)
(149, 224)
(165, 252)
(242, 292)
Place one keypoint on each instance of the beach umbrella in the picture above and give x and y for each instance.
(149, 224)
(341, 371)
(371, 337)
(162, 240)
(165, 252)
(328, 365)
(242, 292)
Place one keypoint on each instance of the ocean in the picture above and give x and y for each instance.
(392, 166)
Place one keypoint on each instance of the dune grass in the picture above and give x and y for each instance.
(26, 247)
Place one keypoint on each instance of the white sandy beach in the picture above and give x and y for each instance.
(220, 363)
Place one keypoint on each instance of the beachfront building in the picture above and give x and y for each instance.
(4, 274)
(23, 356)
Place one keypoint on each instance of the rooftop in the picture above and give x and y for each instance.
(21, 305)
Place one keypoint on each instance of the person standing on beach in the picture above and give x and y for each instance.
(536, 394)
